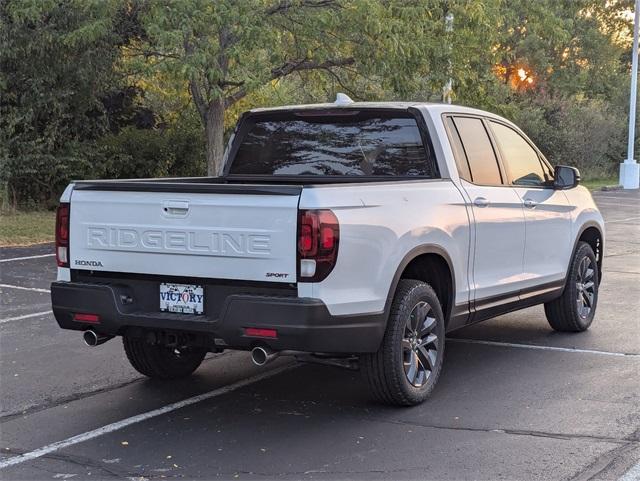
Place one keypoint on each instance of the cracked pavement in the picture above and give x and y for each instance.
(498, 412)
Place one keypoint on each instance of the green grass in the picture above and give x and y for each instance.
(599, 183)
(26, 228)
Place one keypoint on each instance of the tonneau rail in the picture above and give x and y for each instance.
(209, 186)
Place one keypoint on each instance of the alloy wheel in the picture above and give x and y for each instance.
(420, 344)
(585, 287)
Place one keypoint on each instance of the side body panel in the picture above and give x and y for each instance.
(379, 225)
(552, 227)
(584, 213)
(499, 240)
(497, 227)
(548, 244)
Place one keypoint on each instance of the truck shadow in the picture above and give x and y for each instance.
(315, 419)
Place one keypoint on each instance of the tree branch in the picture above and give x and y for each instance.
(305, 64)
(294, 66)
(154, 53)
(285, 5)
(196, 93)
(345, 88)
(230, 83)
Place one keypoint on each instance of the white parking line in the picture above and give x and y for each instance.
(544, 348)
(621, 220)
(596, 195)
(632, 475)
(109, 428)
(35, 289)
(25, 258)
(25, 316)
(614, 204)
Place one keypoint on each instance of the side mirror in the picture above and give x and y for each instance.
(566, 177)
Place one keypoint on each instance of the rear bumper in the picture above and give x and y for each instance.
(302, 324)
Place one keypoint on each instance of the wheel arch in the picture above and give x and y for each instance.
(432, 264)
(591, 233)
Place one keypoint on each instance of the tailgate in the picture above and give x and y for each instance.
(223, 235)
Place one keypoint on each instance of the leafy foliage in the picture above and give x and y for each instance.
(225, 51)
(131, 88)
(139, 153)
(588, 134)
(54, 58)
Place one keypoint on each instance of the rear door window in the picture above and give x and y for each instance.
(464, 171)
(479, 151)
(333, 143)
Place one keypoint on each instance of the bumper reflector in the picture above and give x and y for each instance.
(88, 318)
(255, 332)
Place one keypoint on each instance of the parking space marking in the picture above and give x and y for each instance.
(614, 204)
(632, 475)
(109, 428)
(34, 289)
(621, 220)
(25, 316)
(25, 258)
(545, 348)
(615, 197)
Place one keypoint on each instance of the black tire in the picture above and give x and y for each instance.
(387, 371)
(568, 312)
(161, 362)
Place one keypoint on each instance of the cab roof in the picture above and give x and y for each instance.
(343, 101)
(362, 105)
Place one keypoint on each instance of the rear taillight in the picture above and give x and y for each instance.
(318, 236)
(62, 235)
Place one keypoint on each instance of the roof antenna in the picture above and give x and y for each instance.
(342, 100)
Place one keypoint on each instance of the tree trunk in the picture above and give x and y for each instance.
(214, 131)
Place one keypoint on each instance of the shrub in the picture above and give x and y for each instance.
(140, 153)
(34, 176)
(587, 134)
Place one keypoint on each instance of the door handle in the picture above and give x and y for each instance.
(530, 204)
(480, 202)
(175, 207)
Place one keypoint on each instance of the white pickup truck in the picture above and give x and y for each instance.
(349, 233)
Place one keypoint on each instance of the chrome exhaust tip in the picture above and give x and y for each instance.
(92, 338)
(262, 355)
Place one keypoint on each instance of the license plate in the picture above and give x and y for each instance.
(181, 298)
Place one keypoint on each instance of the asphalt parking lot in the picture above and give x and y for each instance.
(515, 400)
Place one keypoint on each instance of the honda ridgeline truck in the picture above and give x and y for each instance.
(356, 234)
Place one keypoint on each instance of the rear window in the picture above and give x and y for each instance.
(339, 143)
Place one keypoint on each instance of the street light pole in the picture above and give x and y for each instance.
(629, 169)
(448, 27)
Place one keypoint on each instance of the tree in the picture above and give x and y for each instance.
(55, 61)
(138, 87)
(563, 47)
(224, 50)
